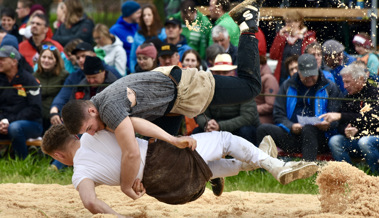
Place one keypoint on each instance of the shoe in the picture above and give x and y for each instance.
(268, 146)
(246, 15)
(286, 172)
(217, 186)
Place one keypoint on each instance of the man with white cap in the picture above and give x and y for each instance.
(288, 133)
(20, 107)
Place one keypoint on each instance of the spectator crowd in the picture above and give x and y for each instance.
(318, 100)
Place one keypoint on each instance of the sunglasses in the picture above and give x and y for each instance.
(50, 47)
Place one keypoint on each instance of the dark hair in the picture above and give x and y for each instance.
(42, 17)
(155, 27)
(8, 12)
(71, 45)
(289, 60)
(188, 6)
(27, 3)
(225, 4)
(74, 114)
(198, 58)
(212, 51)
(56, 138)
(59, 65)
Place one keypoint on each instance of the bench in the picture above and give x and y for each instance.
(29, 142)
(320, 157)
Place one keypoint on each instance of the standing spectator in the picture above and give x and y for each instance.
(168, 55)
(30, 48)
(146, 57)
(50, 72)
(195, 25)
(21, 113)
(290, 40)
(240, 119)
(81, 51)
(221, 36)
(23, 10)
(8, 23)
(315, 49)
(265, 104)
(363, 46)
(191, 59)
(218, 12)
(77, 24)
(150, 28)
(335, 60)
(111, 46)
(126, 26)
(288, 133)
(96, 76)
(358, 126)
(175, 37)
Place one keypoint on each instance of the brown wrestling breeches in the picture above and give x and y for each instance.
(173, 175)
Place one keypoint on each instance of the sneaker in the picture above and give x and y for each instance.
(246, 15)
(217, 186)
(292, 171)
(268, 146)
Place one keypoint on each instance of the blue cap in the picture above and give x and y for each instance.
(10, 40)
(129, 7)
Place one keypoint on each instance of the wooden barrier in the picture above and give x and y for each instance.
(29, 142)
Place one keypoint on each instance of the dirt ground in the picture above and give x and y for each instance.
(344, 196)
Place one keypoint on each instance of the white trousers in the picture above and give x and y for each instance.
(213, 146)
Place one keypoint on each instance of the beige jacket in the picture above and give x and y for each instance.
(195, 91)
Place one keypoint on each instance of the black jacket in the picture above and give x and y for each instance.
(82, 30)
(367, 122)
(20, 103)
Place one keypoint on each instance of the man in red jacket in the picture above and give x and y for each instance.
(30, 48)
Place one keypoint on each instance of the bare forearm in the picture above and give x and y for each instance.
(99, 206)
(149, 129)
(129, 170)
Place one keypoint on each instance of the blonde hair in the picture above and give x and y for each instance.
(74, 12)
(103, 30)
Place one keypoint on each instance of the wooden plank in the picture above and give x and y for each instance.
(30, 142)
(313, 13)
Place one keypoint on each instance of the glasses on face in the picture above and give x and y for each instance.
(50, 47)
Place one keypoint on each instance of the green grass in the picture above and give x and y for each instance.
(34, 169)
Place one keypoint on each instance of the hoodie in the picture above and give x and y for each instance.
(115, 55)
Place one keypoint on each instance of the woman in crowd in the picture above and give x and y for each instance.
(290, 40)
(363, 46)
(191, 58)
(146, 57)
(109, 48)
(150, 27)
(50, 71)
(61, 14)
(8, 23)
(76, 24)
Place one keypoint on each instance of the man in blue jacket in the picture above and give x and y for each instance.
(20, 108)
(81, 51)
(127, 25)
(288, 133)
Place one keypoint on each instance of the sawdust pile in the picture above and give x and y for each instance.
(346, 190)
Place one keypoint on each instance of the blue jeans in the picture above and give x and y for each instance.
(19, 131)
(368, 146)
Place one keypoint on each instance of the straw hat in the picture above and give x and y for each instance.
(223, 62)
